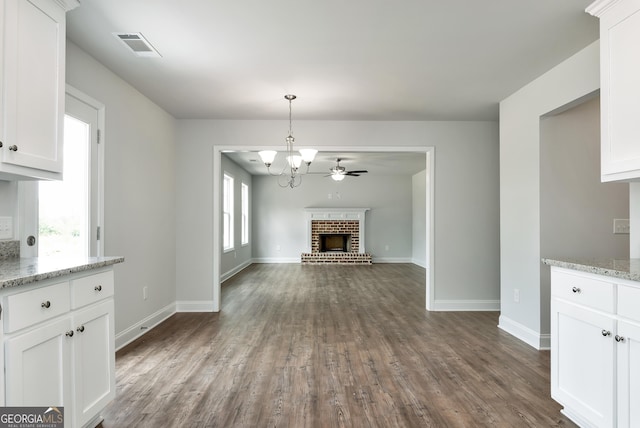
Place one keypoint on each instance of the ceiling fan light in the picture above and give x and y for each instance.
(308, 155)
(294, 161)
(338, 177)
(267, 156)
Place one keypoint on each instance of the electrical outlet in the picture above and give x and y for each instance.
(6, 227)
(621, 226)
(144, 293)
(516, 295)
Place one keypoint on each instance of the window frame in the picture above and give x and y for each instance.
(244, 214)
(228, 236)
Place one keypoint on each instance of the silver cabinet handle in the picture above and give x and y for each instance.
(80, 329)
(576, 290)
(98, 288)
(606, 333)
(619, 338)
(0, 144)
(69, 333)
(46, 304)
(13, 148)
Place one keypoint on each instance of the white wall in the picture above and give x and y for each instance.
(573, 79)
(279, 218)
(466, 195)
(140, 193)
(419, 218)
(576, 208)
(8, 199)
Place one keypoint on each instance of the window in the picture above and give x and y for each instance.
(227, 213)
(245, 213)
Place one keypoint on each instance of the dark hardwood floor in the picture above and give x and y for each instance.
(331, 346)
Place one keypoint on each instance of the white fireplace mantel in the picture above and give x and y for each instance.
(336, 214)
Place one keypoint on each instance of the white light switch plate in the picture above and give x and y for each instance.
(621, 226)
(6, 227)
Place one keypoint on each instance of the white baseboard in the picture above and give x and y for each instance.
(421, 263)
(524, 333)
(234, 271)
(277, 260)
(194, 306)
(391, 260)
(132, 333)
(466, 305)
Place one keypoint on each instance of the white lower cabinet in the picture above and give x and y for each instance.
(63, 353)
(595, 348)
(38, 366)
(628, 374)
(583, 363)
(94, 356)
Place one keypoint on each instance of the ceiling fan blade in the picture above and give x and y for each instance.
(360, 171)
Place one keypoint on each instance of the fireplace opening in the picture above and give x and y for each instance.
(334, 243)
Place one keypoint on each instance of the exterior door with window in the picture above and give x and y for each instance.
(64, 216)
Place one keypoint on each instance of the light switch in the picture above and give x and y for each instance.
(6, 227)
(621, 226)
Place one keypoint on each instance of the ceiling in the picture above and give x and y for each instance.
(345, 60)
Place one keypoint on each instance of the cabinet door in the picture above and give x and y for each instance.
(582, 363)
(628, 374)
(38, 367)
(94, 356)
(620, 92)
(33, 86)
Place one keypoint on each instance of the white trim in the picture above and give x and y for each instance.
(599, 7)
(142, 327)
(228, 274)
(194, 306)
(466, 305)
(391, 260)
(429, 152)
(524, 333)
(431, 228)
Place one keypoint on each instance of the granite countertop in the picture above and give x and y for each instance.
(616, 268)
(20, 271)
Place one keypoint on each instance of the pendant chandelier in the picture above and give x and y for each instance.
(290, 176)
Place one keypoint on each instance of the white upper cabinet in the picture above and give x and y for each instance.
(620, 87)
(32, 53)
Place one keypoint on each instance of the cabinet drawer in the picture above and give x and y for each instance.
(583, 290)
(90, 289)
(629, 302)
(35, 306)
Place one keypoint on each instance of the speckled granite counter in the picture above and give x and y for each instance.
(20, 271)
(623, 268)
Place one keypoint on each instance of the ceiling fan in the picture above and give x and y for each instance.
(338, 173)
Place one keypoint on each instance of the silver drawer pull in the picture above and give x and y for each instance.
(69, 333)
(606, 333)
(576, 290)
(98, 288)
(46, 304)
(80, 329)
(619, 338)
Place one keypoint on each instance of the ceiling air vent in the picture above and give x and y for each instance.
(138, 44)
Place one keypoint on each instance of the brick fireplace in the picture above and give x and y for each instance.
(335, 235)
